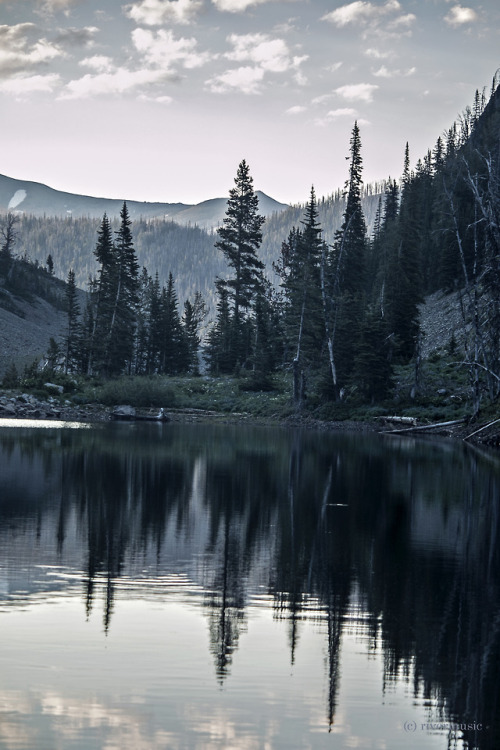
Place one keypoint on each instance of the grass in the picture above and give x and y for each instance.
(443, 394)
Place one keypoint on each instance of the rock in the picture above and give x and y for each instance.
(8, 410)
(53, 386)
(123, 412)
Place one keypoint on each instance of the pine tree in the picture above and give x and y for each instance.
(239, 239)
(373, 369)
(174, 355)
(98, 313)
(73, 335)
(195, 314)
(218, 352)
(155, 329)
(124, 299)
(404, 281)
(142, 333)
(347, 274)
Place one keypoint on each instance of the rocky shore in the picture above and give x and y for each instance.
(28, 406)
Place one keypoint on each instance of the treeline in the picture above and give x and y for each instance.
(161, 244)
(344, 310)
(347, 311)
(131, 323)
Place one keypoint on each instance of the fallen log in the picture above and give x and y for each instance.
(424, 427)
(484, 427)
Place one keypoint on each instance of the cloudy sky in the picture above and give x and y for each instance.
(161, 99)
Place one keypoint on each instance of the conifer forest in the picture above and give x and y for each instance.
(334, 311)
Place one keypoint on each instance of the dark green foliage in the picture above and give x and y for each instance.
(124, 273)
(11, 377)
(8, 238)
(404, 279)
(373, 370)
(195, 314)
(347, 275)
(303, 315)
(52, 356)
(239, 239)
(174, 352)
(73, 342)
(218, 350)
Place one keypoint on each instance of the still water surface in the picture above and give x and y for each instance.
(213, 587)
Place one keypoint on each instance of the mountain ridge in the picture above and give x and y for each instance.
(37, 199)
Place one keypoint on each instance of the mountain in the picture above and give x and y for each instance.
(32, 311)
(209, 214)
(36, 199)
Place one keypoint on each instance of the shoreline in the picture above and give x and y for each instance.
(27, 407)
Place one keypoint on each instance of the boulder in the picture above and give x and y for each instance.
(54, 387)
(123, 412)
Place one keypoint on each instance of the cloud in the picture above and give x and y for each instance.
(158, 12)
(246, 79)
(335, 114)
(20, 51)
(161, 49)
(238, 6)
(264, 55)
(161, 55)
(334, 67)
(362, 92)
(376, 54)
(323, 98)
(360, 10)
(24, 85)
(384, 72)
(54, 5)
(111, 83)
(99, 63)
(269, 54)
(76, 37)
(155, 99)
(373, 18)
(297, 110)
(459, 16)
(402, 21)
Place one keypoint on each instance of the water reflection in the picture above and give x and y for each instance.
(391, 542)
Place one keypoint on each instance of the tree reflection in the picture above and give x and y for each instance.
(386, 540)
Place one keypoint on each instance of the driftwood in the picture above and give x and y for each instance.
(484, 427)
(422, 428)
(398, 420)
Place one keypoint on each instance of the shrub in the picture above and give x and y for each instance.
(136, 391)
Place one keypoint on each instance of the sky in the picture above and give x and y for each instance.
(160, 100)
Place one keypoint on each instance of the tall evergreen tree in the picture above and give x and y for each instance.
(347, 274)
(301, 282)
(218, 352)
(195, 314)
(124, 300)
(174, 356)
(239, 239)
(72, 346)
(98, 312)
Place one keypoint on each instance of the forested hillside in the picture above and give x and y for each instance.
(165, 246)
(349, 275)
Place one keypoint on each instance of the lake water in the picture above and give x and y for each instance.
(206, 587)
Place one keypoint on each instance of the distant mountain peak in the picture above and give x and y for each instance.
(37, 199)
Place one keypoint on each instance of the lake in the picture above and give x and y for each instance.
(208, 586)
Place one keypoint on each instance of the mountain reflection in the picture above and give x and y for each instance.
(394, 540)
